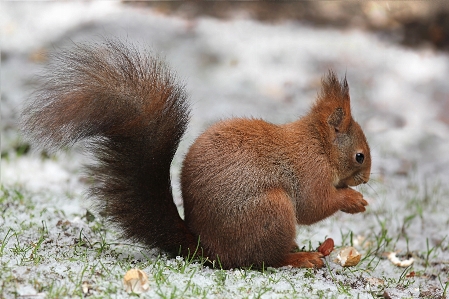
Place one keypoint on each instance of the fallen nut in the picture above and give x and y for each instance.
(136, 281)
(348, 257)
(405, 263)
(326, 247)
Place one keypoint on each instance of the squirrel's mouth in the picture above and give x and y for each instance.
(352, 181)
(342, 185)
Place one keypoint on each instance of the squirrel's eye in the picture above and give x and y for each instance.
(359, 157)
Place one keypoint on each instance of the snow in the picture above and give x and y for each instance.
(242, 67)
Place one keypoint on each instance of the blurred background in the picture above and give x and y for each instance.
(262, 59)
(265, 60)
(414, 23)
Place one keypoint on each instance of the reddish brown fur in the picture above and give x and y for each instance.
(233, 169)
(245, 183)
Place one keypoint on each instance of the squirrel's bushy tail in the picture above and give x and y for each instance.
(132, 113)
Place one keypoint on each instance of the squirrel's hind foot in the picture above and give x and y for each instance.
(304, 260)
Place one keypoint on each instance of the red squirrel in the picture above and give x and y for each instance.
(245, 183)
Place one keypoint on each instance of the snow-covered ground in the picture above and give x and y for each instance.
(241, 67)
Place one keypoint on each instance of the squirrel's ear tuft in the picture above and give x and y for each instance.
(334, 89)
(333, 103)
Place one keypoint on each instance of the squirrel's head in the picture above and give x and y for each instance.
(343, 139)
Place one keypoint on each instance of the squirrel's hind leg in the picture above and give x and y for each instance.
(261, 234)
(280, 203)
(275, 229)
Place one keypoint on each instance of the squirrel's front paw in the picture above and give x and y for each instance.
(353, 202)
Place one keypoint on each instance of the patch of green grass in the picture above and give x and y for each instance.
(17, 149)
(62, 254)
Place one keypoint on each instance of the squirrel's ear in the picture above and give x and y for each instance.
(333, 102)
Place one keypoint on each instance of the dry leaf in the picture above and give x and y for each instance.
(348, 257)
(85, 287)
(136, 281)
